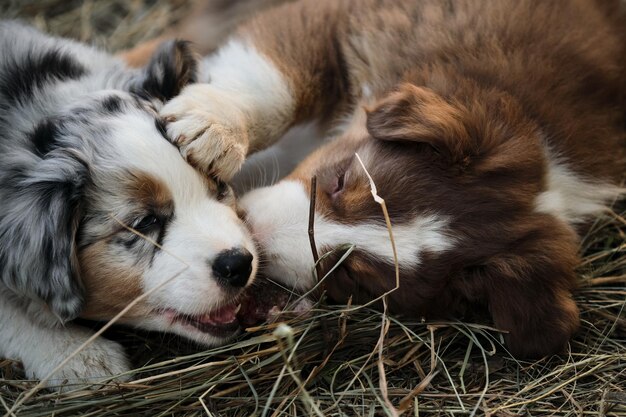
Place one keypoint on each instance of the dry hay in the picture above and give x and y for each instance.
(359, 362)
(438, 368)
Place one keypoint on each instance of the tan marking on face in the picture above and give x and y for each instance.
(109, 288)
(148, 191)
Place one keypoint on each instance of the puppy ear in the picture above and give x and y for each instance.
(172, 67)
(418, 114)
(529, 290)
(38, 222)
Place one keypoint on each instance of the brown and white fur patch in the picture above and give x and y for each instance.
(493, 131)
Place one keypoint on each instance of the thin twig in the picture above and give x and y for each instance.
(321, 284)
(316, 257)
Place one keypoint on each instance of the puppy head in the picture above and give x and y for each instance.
(346, 213)
(105, 209)
(459, 178)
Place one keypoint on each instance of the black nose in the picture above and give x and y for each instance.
(232, 267)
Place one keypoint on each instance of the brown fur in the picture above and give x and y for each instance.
(109, 291)
(433, 45)
(149, 192)
(466, 99)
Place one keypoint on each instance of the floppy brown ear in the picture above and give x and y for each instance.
(418, 114)
(529, 289)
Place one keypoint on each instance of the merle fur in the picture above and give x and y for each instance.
(21, 79)
(57, 98)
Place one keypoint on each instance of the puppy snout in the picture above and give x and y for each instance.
(233, 267)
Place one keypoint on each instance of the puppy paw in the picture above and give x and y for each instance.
(100, 361)
(210, 128)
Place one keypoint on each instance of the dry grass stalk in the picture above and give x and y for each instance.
(384, 328)
(316, 257)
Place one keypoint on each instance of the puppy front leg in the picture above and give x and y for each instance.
(282, 68)
(42, 348)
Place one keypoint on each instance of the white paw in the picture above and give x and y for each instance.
(209, 127)
(101, 360)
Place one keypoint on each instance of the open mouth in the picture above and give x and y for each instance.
(222, 322)
(260, 303)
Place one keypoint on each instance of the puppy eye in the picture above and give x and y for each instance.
(146, 223)
(223, 189)
(339, 183)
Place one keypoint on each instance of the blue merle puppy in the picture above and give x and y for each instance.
(100, 209)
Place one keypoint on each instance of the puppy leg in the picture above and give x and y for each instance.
(42, 348)
(282, 68)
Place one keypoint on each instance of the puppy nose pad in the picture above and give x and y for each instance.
(233, 267)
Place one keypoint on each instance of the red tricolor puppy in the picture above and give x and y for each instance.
(493, 130)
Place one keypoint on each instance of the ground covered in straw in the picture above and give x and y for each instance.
(342, 361)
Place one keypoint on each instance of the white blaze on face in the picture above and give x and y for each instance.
(201, 227)
(279, 216)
